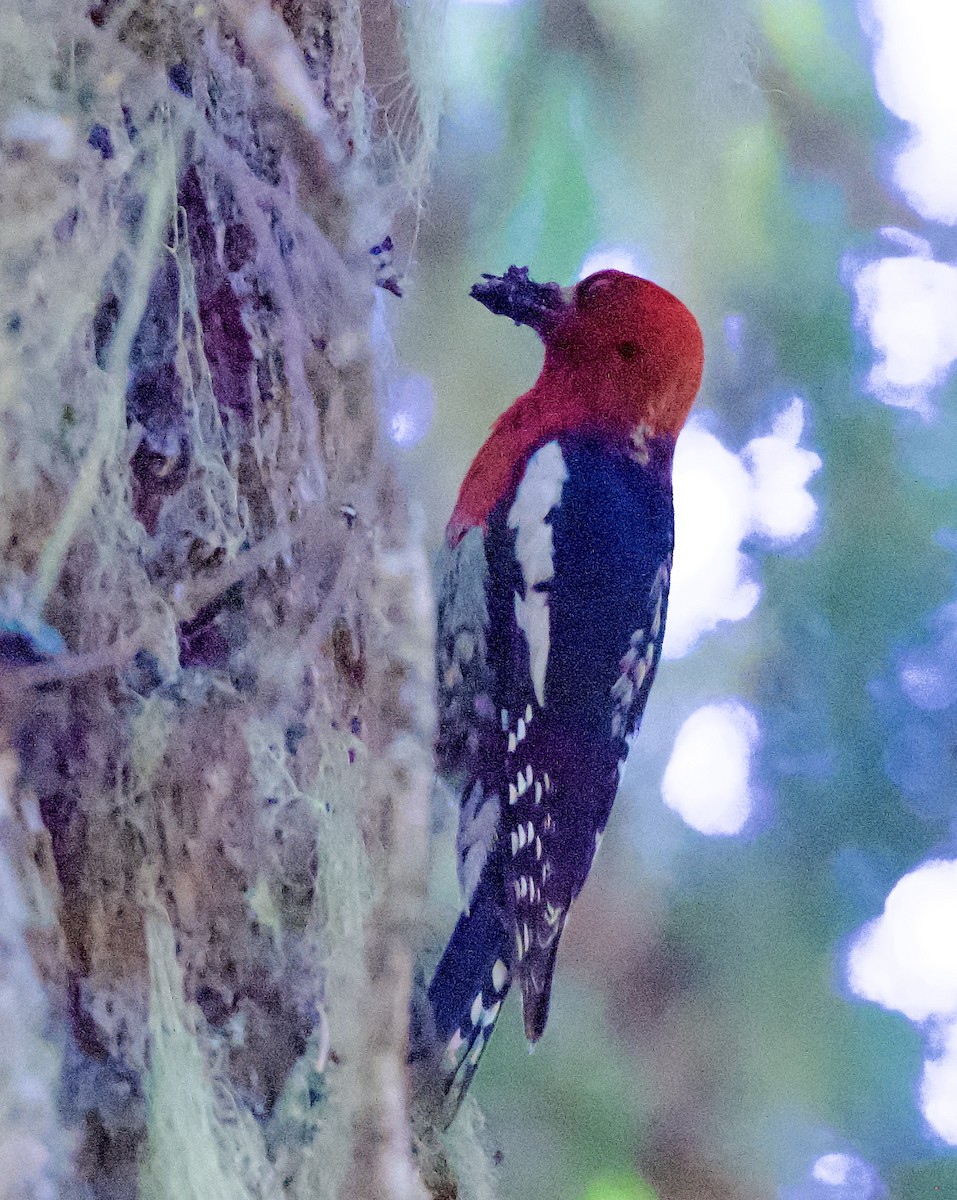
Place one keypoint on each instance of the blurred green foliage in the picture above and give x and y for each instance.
(703, 1041)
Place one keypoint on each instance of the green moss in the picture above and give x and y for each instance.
(200, 1146)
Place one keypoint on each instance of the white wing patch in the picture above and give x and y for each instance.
(538, 493)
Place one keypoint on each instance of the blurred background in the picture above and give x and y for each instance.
(757, 993)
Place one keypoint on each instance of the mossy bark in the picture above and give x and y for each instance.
(215, 627)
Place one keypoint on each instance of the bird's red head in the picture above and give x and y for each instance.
(628, 350)
(621, 355)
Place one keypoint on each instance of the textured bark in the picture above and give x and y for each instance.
(215, 627)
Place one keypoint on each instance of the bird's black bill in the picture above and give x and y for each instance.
(538, 305)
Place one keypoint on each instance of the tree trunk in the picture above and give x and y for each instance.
(216, 708)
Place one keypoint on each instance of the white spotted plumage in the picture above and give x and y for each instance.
(630, 689)
(563, 519)
(479, 821)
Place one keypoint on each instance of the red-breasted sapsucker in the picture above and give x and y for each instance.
(551, 617)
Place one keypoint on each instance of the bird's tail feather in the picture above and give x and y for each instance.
(465, 998)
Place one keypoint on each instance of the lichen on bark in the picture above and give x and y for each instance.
(215, 628)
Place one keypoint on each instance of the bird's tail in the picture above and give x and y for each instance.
(464, 1001)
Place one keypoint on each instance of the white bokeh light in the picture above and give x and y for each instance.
(915, 46)
(409, 409)
(938, 1087)
(783, 508)
(843, 1176)
(707, 780)
(709, 582)
(833, 1169)
(905, 959)
(928, 683)
(614, 258)
(721, 498)
(908, 305)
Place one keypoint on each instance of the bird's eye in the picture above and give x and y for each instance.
(628, 350)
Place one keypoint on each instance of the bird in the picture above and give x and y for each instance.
(552, 596)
